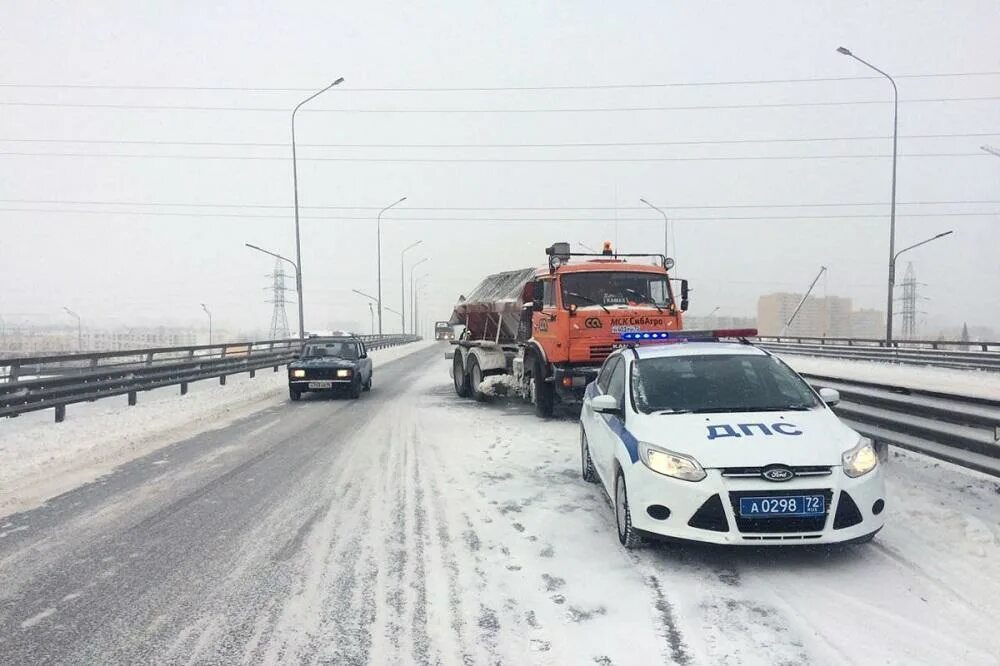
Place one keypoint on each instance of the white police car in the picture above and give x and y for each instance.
(721, 442)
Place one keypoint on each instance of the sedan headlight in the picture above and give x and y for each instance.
(298, 373)
(671, 464)
(861, 459)
(343, 373)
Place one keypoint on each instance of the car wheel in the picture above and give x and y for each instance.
(544, 394)
(294, 394)
(356, 389)
(588, 472)
(623, 515)
(368, 384)
(475, 379)
(461, 379)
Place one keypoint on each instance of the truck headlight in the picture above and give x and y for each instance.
(343, 373)
(298, 373)
(670, 464)
(861, 459)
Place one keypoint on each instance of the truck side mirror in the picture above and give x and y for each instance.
(684, 295)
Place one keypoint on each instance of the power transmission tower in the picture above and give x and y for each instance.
(909, 300)
(279, 320)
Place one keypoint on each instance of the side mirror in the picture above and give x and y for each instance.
(605, 404)
(829, 396)
(296, 356)
(684, 295)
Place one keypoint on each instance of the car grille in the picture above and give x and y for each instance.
(322, 373)
(800, 470)
(780, 524)
(600, 352)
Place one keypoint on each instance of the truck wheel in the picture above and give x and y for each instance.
(294, 394)
(545, 393)
(461, 380)
(475, 379)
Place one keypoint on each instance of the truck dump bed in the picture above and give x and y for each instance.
(494, 303)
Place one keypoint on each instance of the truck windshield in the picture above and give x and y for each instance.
(718, 383)
(614, 288)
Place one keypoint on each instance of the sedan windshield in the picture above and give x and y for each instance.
(614, 288)
(347, 350)
(718, 383)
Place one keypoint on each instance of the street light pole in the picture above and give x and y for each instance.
(378, 233)
(209, 322)
(923, 242)
(892, 212)
(371, 311)
(295, 187)
(416, 307)
(991, 150)
(402, 283)
(413, 327)
(79, 328)
(666, 227)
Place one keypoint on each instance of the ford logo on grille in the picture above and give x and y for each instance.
(777, 473)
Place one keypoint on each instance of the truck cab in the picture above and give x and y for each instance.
(550, 328)
(581, 304)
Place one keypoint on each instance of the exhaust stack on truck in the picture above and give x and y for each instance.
(548, 330)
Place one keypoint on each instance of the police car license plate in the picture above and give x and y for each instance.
(320, 385)
(786, 505)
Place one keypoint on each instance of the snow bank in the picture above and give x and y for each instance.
(40, 459)
(977, 383)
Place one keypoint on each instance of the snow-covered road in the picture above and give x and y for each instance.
(414, 527)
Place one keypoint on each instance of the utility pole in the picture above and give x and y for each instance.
(279, 318)
(822, 269)
(909, 314)
(203, 307)
(295, 187)
(402, 283)
(79, 328)
(275, 316)
(378, 242)
(892, 210)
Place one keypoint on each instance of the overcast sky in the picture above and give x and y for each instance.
(156, 263)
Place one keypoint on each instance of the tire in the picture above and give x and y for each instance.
(294, 394)
(474, 379)
(544, 393)
(587, 471)
(368, 384)
(461, 379)
(627, 535)
(355, 389)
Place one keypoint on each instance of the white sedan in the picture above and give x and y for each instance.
(722, 442)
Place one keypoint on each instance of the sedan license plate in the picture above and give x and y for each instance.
(320, 385)
(786, 505)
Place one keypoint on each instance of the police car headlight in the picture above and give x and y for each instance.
(670, 464)
(861, 459)
(298, 373)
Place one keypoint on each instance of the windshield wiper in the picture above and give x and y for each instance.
(673, 411)
(750, 408)
(784, 408)
(644, 299)
(588, 299)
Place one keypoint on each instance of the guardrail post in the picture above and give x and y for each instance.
(149, 358)
(132, 398)
(184, 388)
(60, 413)
(253, 373)
(222, 380)
(15, 370)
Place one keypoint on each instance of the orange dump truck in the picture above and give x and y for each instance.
(546, 331)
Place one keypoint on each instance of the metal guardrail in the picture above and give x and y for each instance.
(959, 429)
(939, 353)
(54, 381)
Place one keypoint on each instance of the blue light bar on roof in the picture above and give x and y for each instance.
(646, 335)
(709, 334)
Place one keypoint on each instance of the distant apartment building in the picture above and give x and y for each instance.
(701, 323)
(829, 316)
(29, 341)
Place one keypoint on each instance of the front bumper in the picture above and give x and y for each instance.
(707, 511)
(571, 381)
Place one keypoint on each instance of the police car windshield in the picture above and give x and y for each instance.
(717, 383)
(335, 349)
(614, 288)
